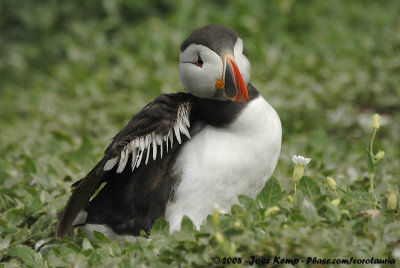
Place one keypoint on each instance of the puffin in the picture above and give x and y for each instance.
(183, 154)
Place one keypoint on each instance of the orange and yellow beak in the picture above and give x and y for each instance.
(232, 81)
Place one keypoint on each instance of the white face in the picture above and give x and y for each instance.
(241, 61)
(200, 68)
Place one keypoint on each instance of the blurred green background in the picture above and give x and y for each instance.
(72, 73)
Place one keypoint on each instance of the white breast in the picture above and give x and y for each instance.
(218, 164)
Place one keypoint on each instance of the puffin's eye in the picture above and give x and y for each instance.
(199, 61)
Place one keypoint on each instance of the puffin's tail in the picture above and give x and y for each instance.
(80, 197)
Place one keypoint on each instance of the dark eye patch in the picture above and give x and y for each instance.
(199, 61)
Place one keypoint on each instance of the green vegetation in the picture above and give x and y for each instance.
(72, 73)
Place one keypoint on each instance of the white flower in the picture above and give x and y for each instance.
(301, 160)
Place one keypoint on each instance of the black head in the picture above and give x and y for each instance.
(212, 64)
(216, 37)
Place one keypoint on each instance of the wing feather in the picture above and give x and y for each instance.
(172, 119)
(154, 125)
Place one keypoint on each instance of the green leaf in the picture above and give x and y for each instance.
(27, 255)
(247, 202)
(143, 233)
(14, 217)
(187, 224)
(309, 187)
(309, 211)
(29, 165)
(100, 237)
(370, 163)
(358, 200)
(160, 228)
(3, 174)
(392, 232)
(5, 242)
(236, 210)
(86, 244)
(271, 193)
(332, 212)
(98, 190)
(83, 154)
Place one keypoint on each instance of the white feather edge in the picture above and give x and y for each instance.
(151, 140)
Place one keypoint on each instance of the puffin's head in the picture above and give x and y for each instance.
(212, 64)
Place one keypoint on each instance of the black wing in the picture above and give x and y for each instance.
(152, 130)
